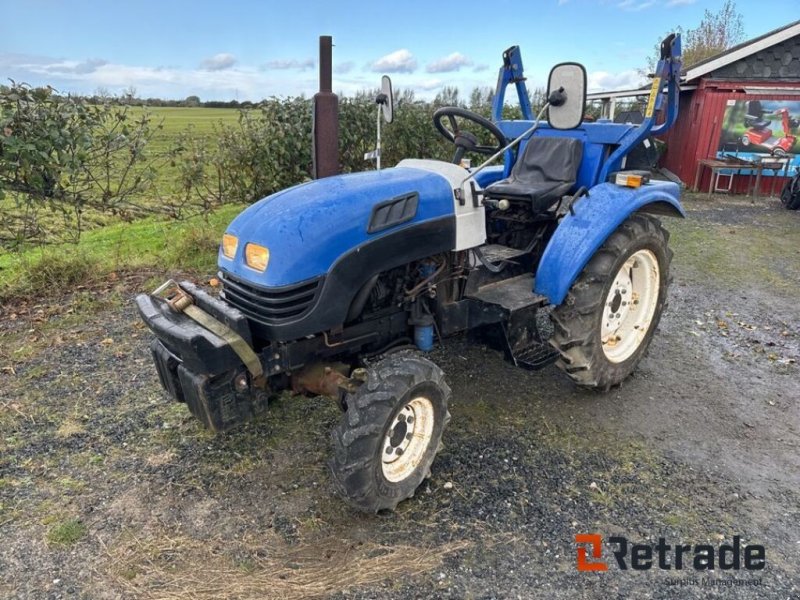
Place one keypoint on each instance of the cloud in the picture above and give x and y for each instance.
(680, 2)
(290, 63)
(241, 81)
(83, 77)
(219, 62)
(345, 67)
(634, 6)
(87, 66)
(429, 84)
(10, 60)
(603, 80)
(90, 66)
(399, 61)
(480, 68)
(447, 64)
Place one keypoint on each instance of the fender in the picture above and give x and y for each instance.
(595, 217)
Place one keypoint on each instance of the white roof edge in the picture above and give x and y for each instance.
(629, 93)
(772, 91)
(744, 51)
(618, 94)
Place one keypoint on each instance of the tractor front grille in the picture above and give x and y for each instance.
(270, 306)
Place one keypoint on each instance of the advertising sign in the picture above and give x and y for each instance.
(762, 130)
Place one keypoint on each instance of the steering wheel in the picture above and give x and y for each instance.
(464, 140)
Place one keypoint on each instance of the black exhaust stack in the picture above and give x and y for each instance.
(325, 125)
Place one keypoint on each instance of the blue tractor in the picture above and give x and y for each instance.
(340, 285)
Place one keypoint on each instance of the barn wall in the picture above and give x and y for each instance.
(696, 133)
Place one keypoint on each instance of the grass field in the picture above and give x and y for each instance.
(178, 119)
(152, 244)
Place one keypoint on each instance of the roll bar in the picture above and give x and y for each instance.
(667, 76)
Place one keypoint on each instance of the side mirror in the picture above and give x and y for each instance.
(566, 92)
(386, 99)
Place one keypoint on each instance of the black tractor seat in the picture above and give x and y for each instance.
(547, 169)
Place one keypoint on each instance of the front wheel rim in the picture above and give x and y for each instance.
(630, 306)
(407, 439)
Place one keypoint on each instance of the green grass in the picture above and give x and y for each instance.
(150, 243)
(737, 255)
(176, 120)
(66, 533)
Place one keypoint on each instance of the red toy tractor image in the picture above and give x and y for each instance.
(760, 132)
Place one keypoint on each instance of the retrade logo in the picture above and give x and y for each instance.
(642, 557)
(595, 542)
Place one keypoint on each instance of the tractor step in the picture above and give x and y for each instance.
(526, 333)
(535, 356)
(495, 253)
(513, 294)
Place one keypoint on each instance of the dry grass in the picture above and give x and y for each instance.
(70, 427)
(181, 568)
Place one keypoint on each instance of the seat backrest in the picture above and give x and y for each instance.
(599, 141)
(549, 159)
(754, 109)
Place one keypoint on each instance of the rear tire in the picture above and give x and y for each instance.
(790, 195)
(605, 324)
(390, 433)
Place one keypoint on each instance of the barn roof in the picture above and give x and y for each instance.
(694, 72)
(743, 50)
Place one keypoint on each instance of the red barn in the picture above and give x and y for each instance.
(741, 104)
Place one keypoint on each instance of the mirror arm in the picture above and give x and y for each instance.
(378, 145)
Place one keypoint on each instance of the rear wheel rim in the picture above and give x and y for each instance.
(630, 306)
(407, 439)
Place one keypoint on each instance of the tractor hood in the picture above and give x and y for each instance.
(307, 228)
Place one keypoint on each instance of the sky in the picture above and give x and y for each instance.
(249, 49)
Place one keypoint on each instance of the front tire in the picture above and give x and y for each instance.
(606, 322)
(390, 433)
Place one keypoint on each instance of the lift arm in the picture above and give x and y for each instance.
(667, 75)
(511, 72)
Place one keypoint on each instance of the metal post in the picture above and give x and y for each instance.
(325, 127)
(378, 146)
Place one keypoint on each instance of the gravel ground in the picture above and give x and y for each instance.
(107, 490)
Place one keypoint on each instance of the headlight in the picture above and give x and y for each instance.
(229, 244)
(256, 256)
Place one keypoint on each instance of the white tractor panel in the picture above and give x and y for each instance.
(470, 220)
